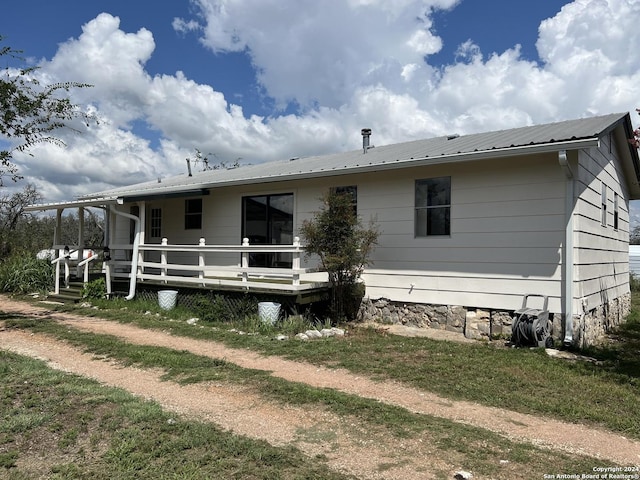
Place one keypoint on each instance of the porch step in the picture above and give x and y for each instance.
(73, 294)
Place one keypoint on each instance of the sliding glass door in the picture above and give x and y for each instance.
(268, 220)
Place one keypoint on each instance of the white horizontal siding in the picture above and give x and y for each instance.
(507, 226)
(601, 258)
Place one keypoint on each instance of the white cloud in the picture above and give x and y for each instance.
(320, 52)
(349, 63)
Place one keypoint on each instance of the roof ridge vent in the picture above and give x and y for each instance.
(452, 136)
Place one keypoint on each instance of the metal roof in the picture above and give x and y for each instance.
(567, 135)
(90, 202)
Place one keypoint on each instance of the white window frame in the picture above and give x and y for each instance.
(603, 205)
(155, 223)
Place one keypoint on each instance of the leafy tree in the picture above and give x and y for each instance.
(21, 232)
(30, 112)
(12, 212)
(635, 140)
(336, 235)
(634, 236)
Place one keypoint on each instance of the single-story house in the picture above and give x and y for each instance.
(469, 225)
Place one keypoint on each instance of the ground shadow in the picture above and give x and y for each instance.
(620, 353)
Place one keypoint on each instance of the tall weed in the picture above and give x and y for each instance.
(24, 273)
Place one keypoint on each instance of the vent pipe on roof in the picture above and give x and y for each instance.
(366, 135)
(189, 166)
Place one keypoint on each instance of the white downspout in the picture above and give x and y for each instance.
(134, 255)
(567, 251)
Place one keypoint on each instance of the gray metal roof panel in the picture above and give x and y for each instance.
(428, 150)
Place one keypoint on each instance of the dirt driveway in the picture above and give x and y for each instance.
(313, 431)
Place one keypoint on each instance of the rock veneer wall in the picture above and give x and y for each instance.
(589, 327)
(471, 322)
(478, 323)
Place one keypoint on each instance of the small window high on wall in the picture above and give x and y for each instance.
(603, 209)
(615, 211)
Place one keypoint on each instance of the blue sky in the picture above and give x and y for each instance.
(264, 80)
(495, 26)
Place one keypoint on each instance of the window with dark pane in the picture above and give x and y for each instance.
(352, 191)
(433, 207)
(193, 214)
(156, 223)
(268, 220)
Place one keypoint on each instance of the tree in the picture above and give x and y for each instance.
(200, 158)
(21, 232)
(336, 235)
(11, 211)
(30, 112)
(635, 140)
(634, 236)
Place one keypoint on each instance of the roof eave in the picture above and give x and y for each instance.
(98, 202)
(385, 165)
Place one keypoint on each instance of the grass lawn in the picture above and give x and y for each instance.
(59, 426)
(63, 413)
(604, 393)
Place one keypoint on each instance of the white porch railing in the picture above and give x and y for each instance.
(66, 259)
(193, 265)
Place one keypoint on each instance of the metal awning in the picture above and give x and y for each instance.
(94, 202)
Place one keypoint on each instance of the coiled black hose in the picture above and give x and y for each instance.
(528, 330)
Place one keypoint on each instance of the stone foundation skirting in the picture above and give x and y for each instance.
(589, 327)
(478, 323)
(471, 322)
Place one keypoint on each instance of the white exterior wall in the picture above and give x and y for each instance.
(507, 229)
(601, 260)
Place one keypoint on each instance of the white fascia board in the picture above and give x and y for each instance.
(98, 202)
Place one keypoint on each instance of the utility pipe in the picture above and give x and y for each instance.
(134, 255)
(568, 249)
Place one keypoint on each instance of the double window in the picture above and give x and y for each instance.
(433, 207)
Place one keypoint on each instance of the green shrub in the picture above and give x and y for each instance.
(344, 246)
(214, 309)
(634, 282)
(24, 273)
(94, 289)
(224, 309)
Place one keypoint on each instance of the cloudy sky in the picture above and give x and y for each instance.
(259, 80)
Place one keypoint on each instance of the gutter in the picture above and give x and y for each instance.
(567, 251)
(134, 255)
